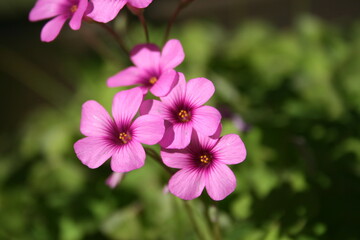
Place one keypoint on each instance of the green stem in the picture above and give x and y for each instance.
(193, 220)
(217, 231)
(207, 215)
(115, 36)
(182, 4)
(151, 152)
(143, 23)
(213, 224)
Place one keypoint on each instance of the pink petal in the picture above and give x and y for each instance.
(77, 17)
(125, 105)
(206, 120)
(144, 89)
(148, 129)
(177, 136)
(200, 142)
(199, 91)
(153, 107)
(172, 54)
(93, 151)
(220, 181)
(52, 28)
(176, 158)
(139, 3)
(187, 183)
(114, 179)
(217, 133)
(128, 157)
(230, 149)
(106, 10)
(177, 93)
(128, 76)
(146, 56)
(166, 82)
(95, 120)
(165, 189)
(45, 9)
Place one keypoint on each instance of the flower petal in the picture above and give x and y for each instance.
(177, 136)
(200, 142)
(52, 28)
(144, 89)
(166, 82)
(177, 94)
(172, 54)
(106, 10)
(77, 17)
(220, 181)
(176, 158)
(218, 131)
(114, 179)
(125, 105)
(139, 3)
(230, 149)
(93, 151)
(148, 129)
(128, 76)
(206, 120)
(146, 56)
(196, 97)
(187, 183)
(45, 9)
(153, 107)
(128, 157)
(95, 120)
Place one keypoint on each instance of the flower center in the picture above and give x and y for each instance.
(153, 80)
(205, 159)
(73, 8)
(124, 137)
(184, 116)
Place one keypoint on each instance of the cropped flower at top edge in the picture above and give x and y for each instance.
(119, 138)
(106, 10)
(153, 70)
(203, 164)
(60, 11)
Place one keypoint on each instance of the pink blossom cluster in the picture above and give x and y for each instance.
(76, 11)
(187, 130)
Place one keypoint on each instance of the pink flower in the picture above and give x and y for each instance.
(118, 138)
(114, 179)
(183, 111)
(60, 11)
(153, 69)
(106, 10)
(203, 164)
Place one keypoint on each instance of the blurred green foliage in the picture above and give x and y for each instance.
(297, 90)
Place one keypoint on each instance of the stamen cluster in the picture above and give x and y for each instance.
(205, 159)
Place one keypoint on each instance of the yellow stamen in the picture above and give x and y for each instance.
(73, 8)
(205, 158)
(125, 138)
(153, 80)
(184, 116)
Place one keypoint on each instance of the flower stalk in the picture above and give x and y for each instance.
(182, 4)
(144, 24)
(190, 213)
(154, 155)
(116, 36)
